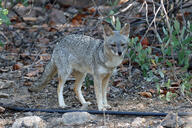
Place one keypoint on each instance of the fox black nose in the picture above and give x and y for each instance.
(119, 53)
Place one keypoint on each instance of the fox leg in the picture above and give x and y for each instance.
(98, 91)
(63, 75)
(105, 82)
(77, 87)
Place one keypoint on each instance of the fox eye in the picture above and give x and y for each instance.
(122, 45)
(113, 45)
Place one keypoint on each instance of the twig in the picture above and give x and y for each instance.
(185, 23)
(7, 40)
(177, 120)
(155, 30)
(170, 35)
(188, 99)
(187, 6)
(150, 24)
(146, 14)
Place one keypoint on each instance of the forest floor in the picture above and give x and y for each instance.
(27, 50)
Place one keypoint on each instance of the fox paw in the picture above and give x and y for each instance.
(107, 106)
(102, 109)
(85, 105)
(63, 106)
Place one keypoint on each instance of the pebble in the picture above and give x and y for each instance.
(172, 121)
(29, 121)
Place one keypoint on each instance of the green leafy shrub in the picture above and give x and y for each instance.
(3, 15)
(142, 56)
(180, 44)
(3, 18)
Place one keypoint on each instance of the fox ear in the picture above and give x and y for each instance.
(125, 30)
(108, 30)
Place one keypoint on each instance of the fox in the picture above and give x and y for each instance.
(78, 55)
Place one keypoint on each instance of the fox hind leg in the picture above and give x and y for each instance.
(79, 78)
(62, 74)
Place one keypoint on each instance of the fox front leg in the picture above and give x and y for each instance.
(105, 83)
(98, 92)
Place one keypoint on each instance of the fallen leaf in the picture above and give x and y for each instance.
(117, 81)
(33, 73)
(176, 84)
(91, 10)
(145, 42)
(45, 57)
(122, 2)
(44, 40)
(78, 19)
(153, 63)
(152, 91)
(27, 83)
(145, 94)
(1, 49)
(173, 89)
(121, 85)
(125, 61)
(32, 19)
(163, 90)
(2, 109)
(17, 66)
(20, 25)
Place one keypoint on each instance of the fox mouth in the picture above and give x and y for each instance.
(117, 53)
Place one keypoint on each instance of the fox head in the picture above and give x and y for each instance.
(115, 42)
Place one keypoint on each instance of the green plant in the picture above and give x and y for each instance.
(186, 86)
(115, 22)
(88, 81)
(113, 2)
(167, 93)
(3, 18)
(142, 56)
(3, 15)
(180, 44)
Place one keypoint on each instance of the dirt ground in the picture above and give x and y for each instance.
(122, 98)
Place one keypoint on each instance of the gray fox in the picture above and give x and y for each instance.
(78, 55)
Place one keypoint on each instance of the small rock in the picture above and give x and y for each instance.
(29, 121)
(6, 84)
(28, 114)
(140, 106)
(72, 10)
(101, 127)
(172, 120)
(4, 95)
(57, 16)
(188, 122)
(123, 125)
(138, 122)
(76, 118)
(2, 109)
(159, 126)
(4, 122)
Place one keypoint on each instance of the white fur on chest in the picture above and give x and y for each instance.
(115, 62)
(102, 70)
